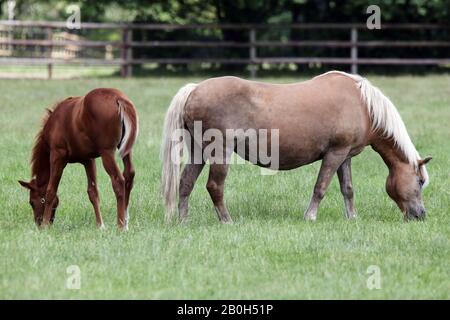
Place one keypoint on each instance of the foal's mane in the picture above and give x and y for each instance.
(39, 154)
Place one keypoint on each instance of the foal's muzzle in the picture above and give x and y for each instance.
(38, 221)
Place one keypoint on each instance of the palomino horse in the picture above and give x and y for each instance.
(331, 117)
(79, 130)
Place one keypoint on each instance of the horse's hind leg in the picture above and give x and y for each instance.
(91, 173)
(330, 163)
(345, 180)
(215, 186)
(118, 184)
(128, 174)
(190, 174)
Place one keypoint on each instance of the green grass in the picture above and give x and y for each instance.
(269, 252)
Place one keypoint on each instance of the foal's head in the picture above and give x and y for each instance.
(405, 184)
(37, 200)
(40, 169)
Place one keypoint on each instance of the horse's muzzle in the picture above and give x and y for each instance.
(415, 213)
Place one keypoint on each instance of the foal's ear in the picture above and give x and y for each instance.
(26, 185)
(425, 161)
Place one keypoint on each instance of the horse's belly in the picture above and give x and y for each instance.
(280, 155)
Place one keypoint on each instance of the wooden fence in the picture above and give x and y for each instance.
(126, 45)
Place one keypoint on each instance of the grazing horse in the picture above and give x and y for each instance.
(80, 129)
(331, 117)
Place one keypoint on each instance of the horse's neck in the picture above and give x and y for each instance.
(41, 165)
(387, 149)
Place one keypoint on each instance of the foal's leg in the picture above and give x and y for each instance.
(118, 184)
(128, 174)
(56, 169)
(190, 174)
(345, 179)
(91, 173)
(215, 186)
(330, 163)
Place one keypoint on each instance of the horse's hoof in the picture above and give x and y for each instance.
(101, 227)
(184, 221)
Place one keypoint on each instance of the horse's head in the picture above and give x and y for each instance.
(405, 184)
(37, 200)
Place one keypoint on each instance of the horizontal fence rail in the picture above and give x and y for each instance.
(126, 45)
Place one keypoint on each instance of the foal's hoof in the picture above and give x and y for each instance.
(227, 221)
(309, 217)
(123, 228)
(101, 227)
(44, 226)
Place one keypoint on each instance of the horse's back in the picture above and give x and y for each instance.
(330, 100)
(311, 116)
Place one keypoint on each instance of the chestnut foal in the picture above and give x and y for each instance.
(80, 129)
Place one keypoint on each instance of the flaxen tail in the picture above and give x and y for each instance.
(172, 150)
(130, 126)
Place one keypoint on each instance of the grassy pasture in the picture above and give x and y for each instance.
(269, 252)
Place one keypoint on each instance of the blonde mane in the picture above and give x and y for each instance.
(386, 119)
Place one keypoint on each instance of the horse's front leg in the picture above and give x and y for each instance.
(118, 184)
(345, 180)
(330, 163)
(57, 165)
(91, 173)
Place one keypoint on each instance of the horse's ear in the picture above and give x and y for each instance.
(26, 185)
(425, 161)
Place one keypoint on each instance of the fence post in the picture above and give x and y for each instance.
(126, 53)
(49, 53)
(252, 53)
(354, 50)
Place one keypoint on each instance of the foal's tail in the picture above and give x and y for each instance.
(172, 150)
(130, 126)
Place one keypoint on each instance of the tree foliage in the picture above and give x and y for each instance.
(251, 11)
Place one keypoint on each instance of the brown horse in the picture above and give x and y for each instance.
(331, 117)
(78, 130)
